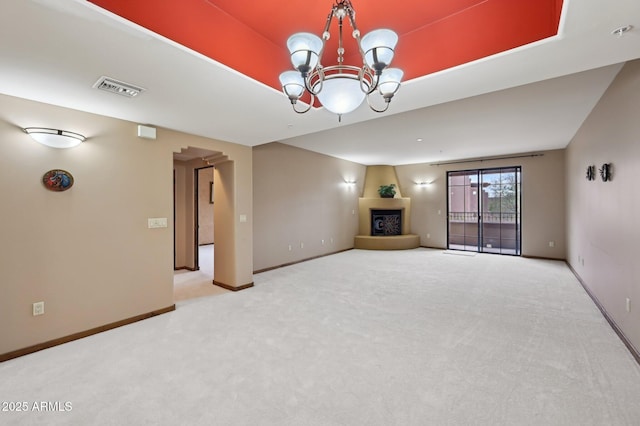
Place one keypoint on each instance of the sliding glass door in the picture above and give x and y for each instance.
(463, 211)
(484, 210)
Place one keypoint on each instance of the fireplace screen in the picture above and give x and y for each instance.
(386, 222)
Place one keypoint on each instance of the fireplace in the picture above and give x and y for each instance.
(386, 222)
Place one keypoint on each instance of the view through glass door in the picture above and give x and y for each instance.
(484, 210)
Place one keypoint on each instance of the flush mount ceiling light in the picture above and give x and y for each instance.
(342, 88)
(54, 138)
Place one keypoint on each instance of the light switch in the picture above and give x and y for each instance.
(157, 222)
(243, 218)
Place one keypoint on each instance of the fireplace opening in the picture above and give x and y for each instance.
(386, 222)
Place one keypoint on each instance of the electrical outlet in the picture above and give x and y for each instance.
(428, 235)
(301, 244)
(38, 308)
(552, 243)
(289, 247)
(628, 305)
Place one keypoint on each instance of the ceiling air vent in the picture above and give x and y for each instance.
(118, 87)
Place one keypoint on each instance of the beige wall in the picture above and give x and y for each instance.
(301, 199)
(379, 175)
(89, 255)
(183, 251)
(602, 217)
(87, 252)
(543, 201)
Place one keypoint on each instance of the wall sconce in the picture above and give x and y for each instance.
(54, 138)
(423, 183)
(350, 182)
(606, 172)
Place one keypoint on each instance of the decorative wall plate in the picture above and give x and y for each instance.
(591, 172)
(57, 180)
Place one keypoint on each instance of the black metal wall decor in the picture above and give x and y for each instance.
(606, 172)
(591, 172)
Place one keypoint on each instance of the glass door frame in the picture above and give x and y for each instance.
(483, 218)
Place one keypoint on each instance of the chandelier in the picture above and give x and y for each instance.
(342, 88)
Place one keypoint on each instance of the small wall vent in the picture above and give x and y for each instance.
(112, 85)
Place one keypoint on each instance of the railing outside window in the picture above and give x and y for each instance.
(487, 217)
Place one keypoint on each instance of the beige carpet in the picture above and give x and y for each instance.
(360, 338)
(189, 285)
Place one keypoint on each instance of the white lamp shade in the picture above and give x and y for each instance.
(378, 47)
(341, 95)
(304, 49)
(55, 138)
(292, 84)
(390, 81)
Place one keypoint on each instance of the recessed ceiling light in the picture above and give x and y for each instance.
(419, 140)
(620, 31)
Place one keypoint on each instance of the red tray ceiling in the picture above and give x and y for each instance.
(250, 37)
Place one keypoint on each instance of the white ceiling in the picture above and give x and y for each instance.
(528, 99)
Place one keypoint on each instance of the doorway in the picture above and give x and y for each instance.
(483, 210)
(194, 256)
(203, 189)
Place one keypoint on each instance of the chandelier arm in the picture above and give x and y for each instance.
(374, 83)
(328, 23)
(356, 31)
(309, 85)
(368, 80)
(375, 60)
(302, 111)
(387, 101)
(325, 34)
(352, 19)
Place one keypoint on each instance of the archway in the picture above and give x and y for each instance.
(194, 218)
